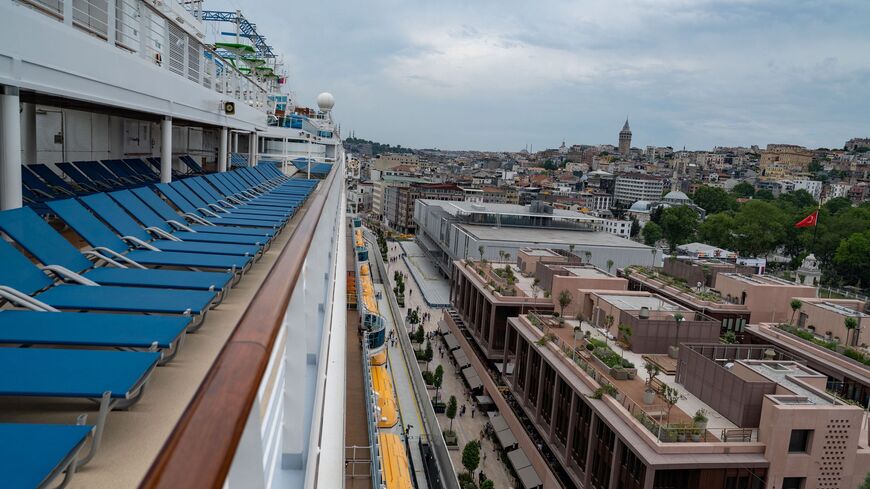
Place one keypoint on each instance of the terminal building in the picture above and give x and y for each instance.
(451, 231)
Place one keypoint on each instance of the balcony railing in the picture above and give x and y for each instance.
(138, 28)
(293, 300)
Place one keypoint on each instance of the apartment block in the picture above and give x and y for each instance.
(632, 187)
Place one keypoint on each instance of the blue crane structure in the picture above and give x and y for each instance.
(246, 29)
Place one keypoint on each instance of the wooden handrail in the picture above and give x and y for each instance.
(201, 447)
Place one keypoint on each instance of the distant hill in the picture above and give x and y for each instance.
(364, 146)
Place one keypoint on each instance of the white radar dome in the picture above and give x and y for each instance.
(325, 101)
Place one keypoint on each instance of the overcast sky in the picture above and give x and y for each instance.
(503, 74)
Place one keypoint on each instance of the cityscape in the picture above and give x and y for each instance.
(238, 253)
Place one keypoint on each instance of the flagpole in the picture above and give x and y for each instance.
(816, 226)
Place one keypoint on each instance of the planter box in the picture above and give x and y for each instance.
(619, 373)
(439, 407)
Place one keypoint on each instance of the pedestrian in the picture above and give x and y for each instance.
(472, 412)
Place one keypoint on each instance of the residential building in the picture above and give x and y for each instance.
(632, 187)
(621, 228)
(827, 318)
(399, 202)
(856, 144)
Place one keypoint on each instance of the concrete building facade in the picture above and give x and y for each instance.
(632, 187)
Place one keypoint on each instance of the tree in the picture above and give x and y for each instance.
(795, 304)
(716, 231)
(635, 227)
(471, 456)
(866, 483)
(651, 233)
(743, 189)
(625, 333)
(759, 228)
(480, 250)
(450, 412)
(764, 194)
(564, 299)
(609, 265)
(588, 256)
(671, 396)
(837, 204)
(852, 258)
(501, 255)
(487, 484)
(851, 324)
(536, 287)
(428, 354)
(438, 380)
(678, 225)
(713, 199)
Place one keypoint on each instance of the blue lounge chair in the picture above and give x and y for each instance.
(216, 201)
(168, 214)
(34, 455)
(25, 285)
(204, 216)
(34, 183)
(114, 378)
(155, 163)
(62, 259)
(96, 172)
(54, 180)
(158, 226)
(142, 169)
(115, 216)
(193, 167)
(219, 188)
(107, 243)
(122, 170)
(80, 178)
(214, 211)
(82, 329)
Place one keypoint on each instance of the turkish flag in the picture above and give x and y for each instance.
(808, 221)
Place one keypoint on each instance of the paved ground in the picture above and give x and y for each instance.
(467, 428)
(435, 289)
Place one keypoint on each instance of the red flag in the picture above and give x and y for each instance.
(809, 221)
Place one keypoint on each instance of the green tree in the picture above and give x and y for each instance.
(837, 204)
(743, 189)
(651, 233)
(438, 380)
(764, 194)
(713, 199)
(716, 230)
(450, 412)
(671, 396)
(758, 228)
(609, 265)
(678, 225)
(487, 484)
(564, 299)
(866, 483)
(853, 258)
(471, 456)
(635, 227)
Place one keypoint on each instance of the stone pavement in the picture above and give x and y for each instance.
(467, 428)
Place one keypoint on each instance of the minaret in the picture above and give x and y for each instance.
(625, 139)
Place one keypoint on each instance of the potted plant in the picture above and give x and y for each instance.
(681, 433)
(649, 394)
(700, 419)
(696, 435)
(630, 369)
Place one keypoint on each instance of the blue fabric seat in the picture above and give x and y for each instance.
(104, 240)
(213, 200)
(153, 221)
(115, 378)
(177, 221)
(115, 216)
(191, 211)
(192, 166)
(142, 169)
(80, 179)
(50, 248)
(53, 179)
(88, 329)
(215, 211)
(23, 276)
(34, 455)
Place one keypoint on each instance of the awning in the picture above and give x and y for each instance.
(518, 459)
(506, 438)
(472, 378)
(498, 423)
(529, 478)
(451, 342)
(461, 358)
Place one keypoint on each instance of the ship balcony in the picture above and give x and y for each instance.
(131, 54)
